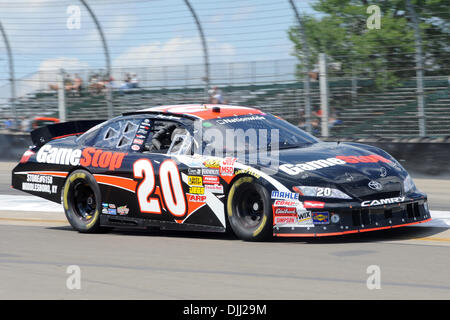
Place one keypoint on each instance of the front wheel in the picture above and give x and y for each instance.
(249, 210)
(82, 202)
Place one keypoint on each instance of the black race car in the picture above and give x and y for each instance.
(213, 168)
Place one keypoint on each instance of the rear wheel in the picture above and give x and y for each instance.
(82, 202)
(249, 210)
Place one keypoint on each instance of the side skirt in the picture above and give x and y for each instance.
(114, 221)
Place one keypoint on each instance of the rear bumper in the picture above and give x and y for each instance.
(356, 220)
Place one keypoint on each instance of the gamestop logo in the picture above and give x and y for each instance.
(88, 157)
(294, 169)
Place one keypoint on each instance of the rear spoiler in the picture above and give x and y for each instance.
(41, 136)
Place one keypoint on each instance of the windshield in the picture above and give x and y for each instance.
(253, 133)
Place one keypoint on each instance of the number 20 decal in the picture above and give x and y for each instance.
(171, 187)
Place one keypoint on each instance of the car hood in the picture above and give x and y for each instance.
(356, 166)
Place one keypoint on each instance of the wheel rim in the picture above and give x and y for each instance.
(83, 200)
(249, 206)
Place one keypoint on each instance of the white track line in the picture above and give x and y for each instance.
(440, 219)
(31, 204)
(28, 203)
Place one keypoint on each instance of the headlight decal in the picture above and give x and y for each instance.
(321, 192)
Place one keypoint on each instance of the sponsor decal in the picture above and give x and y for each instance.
(373, 158)
(138, 141)
(194, 171)
(212, 163)
(227, 171)
(305, 218)
(103, 159)
(112, 211)
(294, 169)
(210, 172)
(49, 154)
(214, 188)
(123, 210)
(249, 172)
(112, 206)
(228, 161)
(314, 204)
(285, 220)
(36, 187)
(135, 147)
(281, 211)
(211, 180)
(195, 181)
(284, 195)
(39, 183)
(37, 178)
(227, 166)
(88, 157)
(196, 197)
(291, 216)
(197, 190)
(239, 119)
(370, 203)
(285, 203)
(321, 217)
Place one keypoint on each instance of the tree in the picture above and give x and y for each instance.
(385, 54)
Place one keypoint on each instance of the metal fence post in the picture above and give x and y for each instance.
(61, 96)
(306, 67)
(109, 97)
(230, 74)
(205, 48)
(11, 73)
(419, 68)
(354, 85)
(186, 76)
(253, 72)
(323, 79)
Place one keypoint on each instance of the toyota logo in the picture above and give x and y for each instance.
(375, 185)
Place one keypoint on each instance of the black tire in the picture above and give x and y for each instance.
(249, 210)
(82, 202)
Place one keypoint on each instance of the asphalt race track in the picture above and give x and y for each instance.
(37, 246)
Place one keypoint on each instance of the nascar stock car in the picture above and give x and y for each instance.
(151, 168)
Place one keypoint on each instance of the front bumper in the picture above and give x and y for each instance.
(355, 219)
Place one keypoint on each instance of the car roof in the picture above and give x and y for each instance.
(204, 111)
